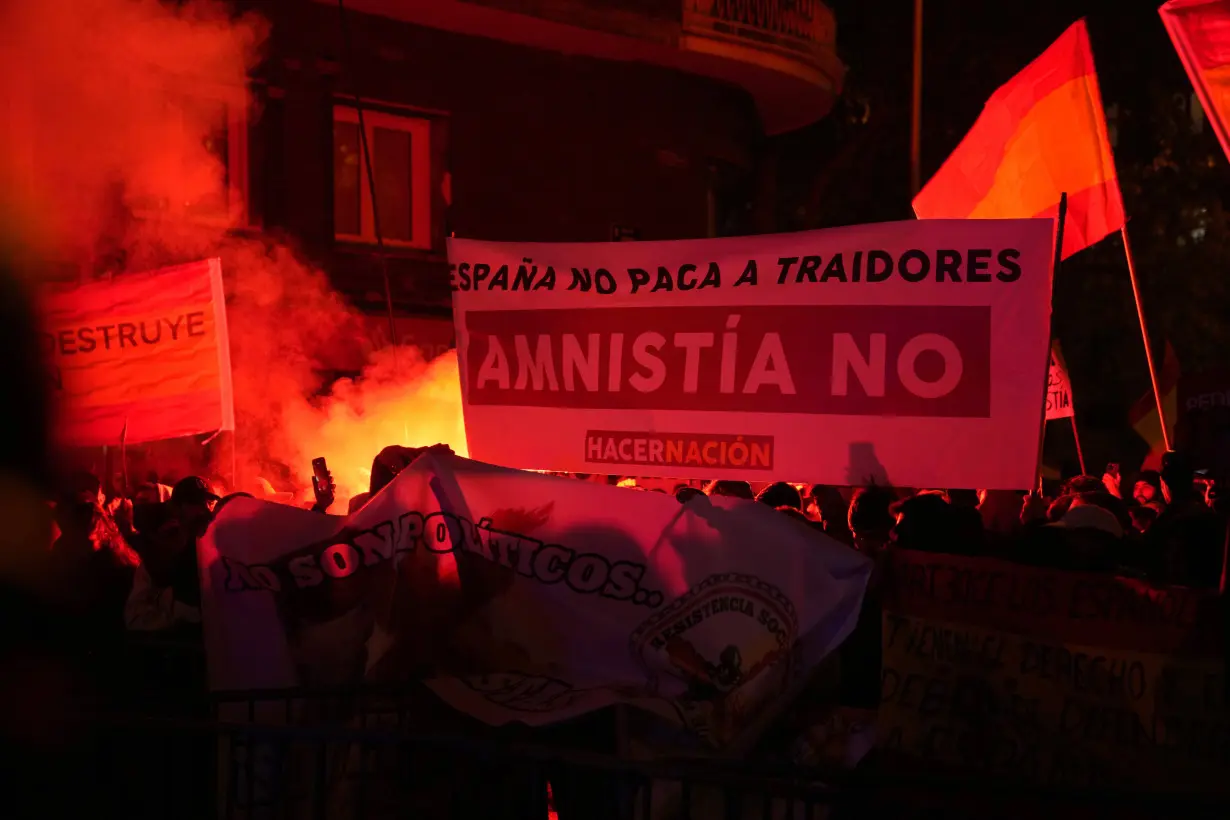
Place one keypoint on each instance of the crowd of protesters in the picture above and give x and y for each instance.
(129, 563)
(123, 565)
(1165, 527)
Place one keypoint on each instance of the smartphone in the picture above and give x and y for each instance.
(1112, 469)
(321, 470)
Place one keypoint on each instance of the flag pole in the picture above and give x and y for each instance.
(1080, 455)
(916, 108)
(1060, 219)
(1144, 334)
(1140, 310)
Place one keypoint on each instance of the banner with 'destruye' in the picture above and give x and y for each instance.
(144, 357)
(904, 352)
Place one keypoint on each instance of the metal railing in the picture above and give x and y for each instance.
(176, 752)
(192, 769)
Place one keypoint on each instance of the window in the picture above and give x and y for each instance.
(218, 194)
(401, 164)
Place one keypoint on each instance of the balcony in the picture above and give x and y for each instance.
(782, 52)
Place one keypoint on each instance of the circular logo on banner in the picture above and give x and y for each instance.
(730, 641)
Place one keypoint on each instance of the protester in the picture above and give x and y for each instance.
(826, 505)
(870, 518)
(926, 522)
(135, 563)
(1000, 511)
(684, 494)
(1147, 488)
(92, 562)
(166, 593)
(1186, 534)
(780, 494)
(731, 489)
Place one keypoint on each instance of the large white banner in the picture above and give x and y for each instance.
(910, 352)
(532, 598)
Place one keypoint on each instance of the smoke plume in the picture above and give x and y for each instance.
(114, 159)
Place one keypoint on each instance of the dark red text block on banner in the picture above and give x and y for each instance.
(821, 360)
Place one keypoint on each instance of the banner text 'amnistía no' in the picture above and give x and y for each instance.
(910, 352)
(145, 356)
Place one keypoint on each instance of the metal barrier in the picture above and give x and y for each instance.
(177, 753)
(261, 772)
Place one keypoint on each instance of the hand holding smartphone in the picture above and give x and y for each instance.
(322, 485)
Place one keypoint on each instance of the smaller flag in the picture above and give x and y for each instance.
(1200, 31)
(1040, 135)
(1058, 388)
(1143, 415)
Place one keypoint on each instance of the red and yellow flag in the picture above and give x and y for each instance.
(1200, 30)
(1143, 414)
(1039, 136)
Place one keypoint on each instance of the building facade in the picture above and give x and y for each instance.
(534, 120)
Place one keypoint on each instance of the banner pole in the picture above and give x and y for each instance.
(1225, 564)
(916, 106)
(1080, 455)
(124, 458)
(1060, 219)
(1144, 334)
(108, 472)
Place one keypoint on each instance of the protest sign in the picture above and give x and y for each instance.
(1058, 388)
(522, 596)
(147, 352)
(906, 352)
(1057, 678)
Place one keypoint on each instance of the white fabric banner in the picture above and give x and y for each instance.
(1058, 389)
(527, 597)
(907, 353)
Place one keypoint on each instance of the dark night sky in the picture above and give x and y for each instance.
(971, 47)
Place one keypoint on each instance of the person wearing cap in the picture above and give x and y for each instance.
(192, 502)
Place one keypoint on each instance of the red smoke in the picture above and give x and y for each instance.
(105, 155)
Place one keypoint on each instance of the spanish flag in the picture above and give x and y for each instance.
(1041, 135)
(1200, 30)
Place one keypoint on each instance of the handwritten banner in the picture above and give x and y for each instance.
(1056, 678)
(145, 353)
(909, 343)
(1058, 388)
